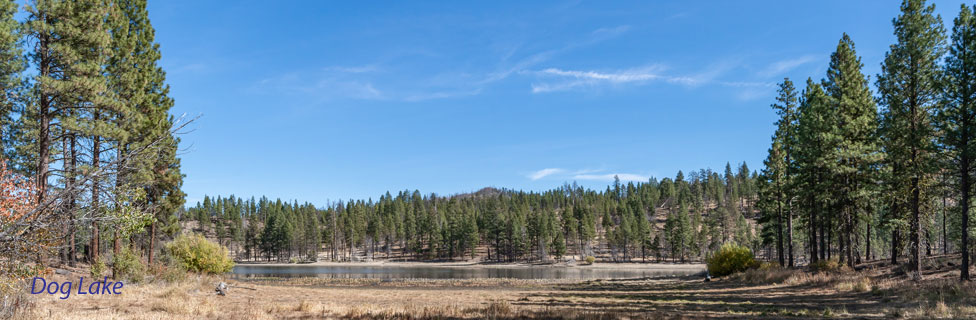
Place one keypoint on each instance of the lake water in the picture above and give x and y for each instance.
(447, 272)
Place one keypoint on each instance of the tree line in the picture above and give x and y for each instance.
(681, 218)
(855, 173)
(84, 114)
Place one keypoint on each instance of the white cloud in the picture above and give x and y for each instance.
(618, 77)
(610, 177)
(555, 79)
(786, 65)
(544, 173)
(568, 79)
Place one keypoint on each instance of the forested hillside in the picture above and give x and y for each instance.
(681, 219)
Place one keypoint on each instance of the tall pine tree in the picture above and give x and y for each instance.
(855, 157)
(957, 119)
(908, 86)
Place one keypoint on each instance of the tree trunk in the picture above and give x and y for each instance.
(916, 230)
(44, 119)
(945, 244)
(964, 203)
(96, 153)
(813, 229)
(789, 232)
(152, 239)
(894, 246)
(867, 243)
(779, 230)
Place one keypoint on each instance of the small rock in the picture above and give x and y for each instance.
(221, 289)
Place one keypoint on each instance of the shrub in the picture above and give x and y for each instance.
(128, 265)
(97, 268)
(590, 259)
(831, 265)
(196, 253)
(729, 259)
(168, 270)
(765, 273)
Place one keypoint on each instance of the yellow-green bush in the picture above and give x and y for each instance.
(830, 265)
(197, 254)
(128, 265)
(590, 259)
(97, 268)
(729, 259)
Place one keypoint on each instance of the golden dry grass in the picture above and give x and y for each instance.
(771, 293)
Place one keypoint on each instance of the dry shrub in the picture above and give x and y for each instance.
(829, 265)
(307, 306)
(766, 273)
(856, 284)
(254, 311)
(15, 303)
(498, 309)
(941, 310)
(168, 271)
(179, 300)
(174, 300)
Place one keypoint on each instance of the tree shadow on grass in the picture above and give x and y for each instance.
(714, 299)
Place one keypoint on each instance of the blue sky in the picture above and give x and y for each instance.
(322, 101)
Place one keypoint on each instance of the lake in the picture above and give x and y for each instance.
(467, 272)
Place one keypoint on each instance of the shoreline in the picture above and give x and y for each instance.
(476, 264)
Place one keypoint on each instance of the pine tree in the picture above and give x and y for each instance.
(815, 141)
(772, 190)
(12, 66)
(785, 106)
(856, 154)
(139, 83)
(957, 119)
(72, 48)
(908, 86)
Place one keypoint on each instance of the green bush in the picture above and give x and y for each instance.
(729, 259)
(590, 259)
(97, 268)
(127, 265)
(196, 253)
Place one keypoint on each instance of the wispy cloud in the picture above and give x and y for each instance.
(611, 176)
(782, 66)
(555, 79)
(568, 79)
(625, 76)
(585, 175)
(323, 87)
(544, 173)
(594, 37)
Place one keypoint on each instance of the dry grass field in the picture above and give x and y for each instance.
(876, 292)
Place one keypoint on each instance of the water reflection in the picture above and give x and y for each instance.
(445, 272)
